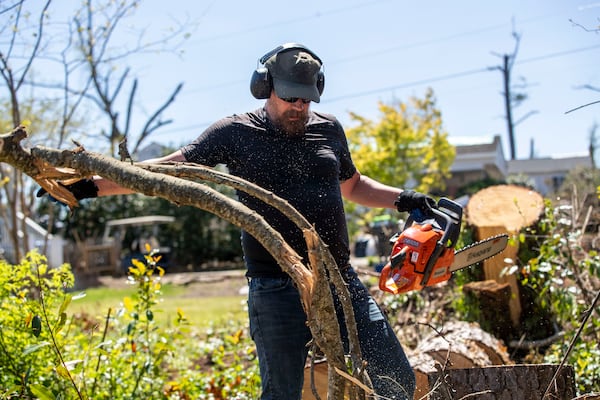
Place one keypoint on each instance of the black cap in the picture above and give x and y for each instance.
(295, 73)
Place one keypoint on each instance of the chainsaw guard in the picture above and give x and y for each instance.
(396, 280)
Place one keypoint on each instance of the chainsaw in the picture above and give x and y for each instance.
(423, 252)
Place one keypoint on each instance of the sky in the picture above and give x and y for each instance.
(385, 51)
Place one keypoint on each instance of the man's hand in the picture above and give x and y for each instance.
(410, 200)
(83, 189)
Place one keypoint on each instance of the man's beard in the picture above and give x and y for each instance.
(295, 127)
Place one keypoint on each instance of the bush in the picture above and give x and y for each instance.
(46, 354)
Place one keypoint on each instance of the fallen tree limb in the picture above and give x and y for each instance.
(46, 165)
(314, 243)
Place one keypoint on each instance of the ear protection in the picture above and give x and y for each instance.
(261, 83)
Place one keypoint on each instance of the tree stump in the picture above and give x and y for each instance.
(459, 345)
(494, 303)
(504, 209)
(522, 382)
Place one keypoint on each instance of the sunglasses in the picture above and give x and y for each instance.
(294, 99)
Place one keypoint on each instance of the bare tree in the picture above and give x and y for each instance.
(514, 95)
(94, 30)
(15, 64)
(83, 50)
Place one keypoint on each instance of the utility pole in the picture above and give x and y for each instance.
(507, 65)
(511, 99)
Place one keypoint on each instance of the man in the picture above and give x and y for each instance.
(303, 157)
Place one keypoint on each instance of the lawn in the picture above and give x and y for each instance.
(201, 311)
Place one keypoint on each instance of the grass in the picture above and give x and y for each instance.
(201, 312)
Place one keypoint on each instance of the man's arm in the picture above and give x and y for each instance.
(366, 191)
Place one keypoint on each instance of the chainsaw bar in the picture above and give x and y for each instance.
(478, 251)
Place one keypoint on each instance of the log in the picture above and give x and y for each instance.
(459, 345)
(523, 382)
(504, 209)
(510, 206)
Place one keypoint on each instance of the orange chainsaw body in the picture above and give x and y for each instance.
(413, 250)
(423, 252)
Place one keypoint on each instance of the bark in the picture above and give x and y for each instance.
(458, 345)
(46, 166)
(494, 305)
(525, 382)
(504, 209)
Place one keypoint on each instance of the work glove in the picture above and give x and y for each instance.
(82, 189)
(410, 200)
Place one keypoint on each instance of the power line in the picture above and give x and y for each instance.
(407, 84)
(402, 85)
(559, 54)
(453, 76)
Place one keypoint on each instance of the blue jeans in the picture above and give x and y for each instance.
(278, 328)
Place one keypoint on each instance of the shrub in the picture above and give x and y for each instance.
(46, 354)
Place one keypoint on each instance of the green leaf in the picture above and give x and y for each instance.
(61, 322)
(62, 371)
(41, 392)
(65, 304)
(36, 325)
(34, 348)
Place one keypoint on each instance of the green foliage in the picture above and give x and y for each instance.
(561, 279)
(47, 354)
(565, 278)
(558, 282)
(28, 327)
(407, 144)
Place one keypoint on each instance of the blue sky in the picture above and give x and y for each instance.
(384, 51)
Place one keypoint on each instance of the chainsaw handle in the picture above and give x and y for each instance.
(449, 222)
(446, 213)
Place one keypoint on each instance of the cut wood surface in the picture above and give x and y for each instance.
(510, 206)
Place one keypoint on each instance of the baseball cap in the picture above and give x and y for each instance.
(295, 73)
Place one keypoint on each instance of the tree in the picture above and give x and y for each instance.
(78, 81)
(407, 147)
(94, 26)
(15, 204)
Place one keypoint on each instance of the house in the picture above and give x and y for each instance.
(479, 158)
(548, 173)
(36, 238)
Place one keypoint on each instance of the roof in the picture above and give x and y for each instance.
(547, 165)
(145, 220)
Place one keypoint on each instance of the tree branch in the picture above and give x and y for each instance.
(45, 164)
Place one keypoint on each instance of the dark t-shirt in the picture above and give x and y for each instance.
(304, 170)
